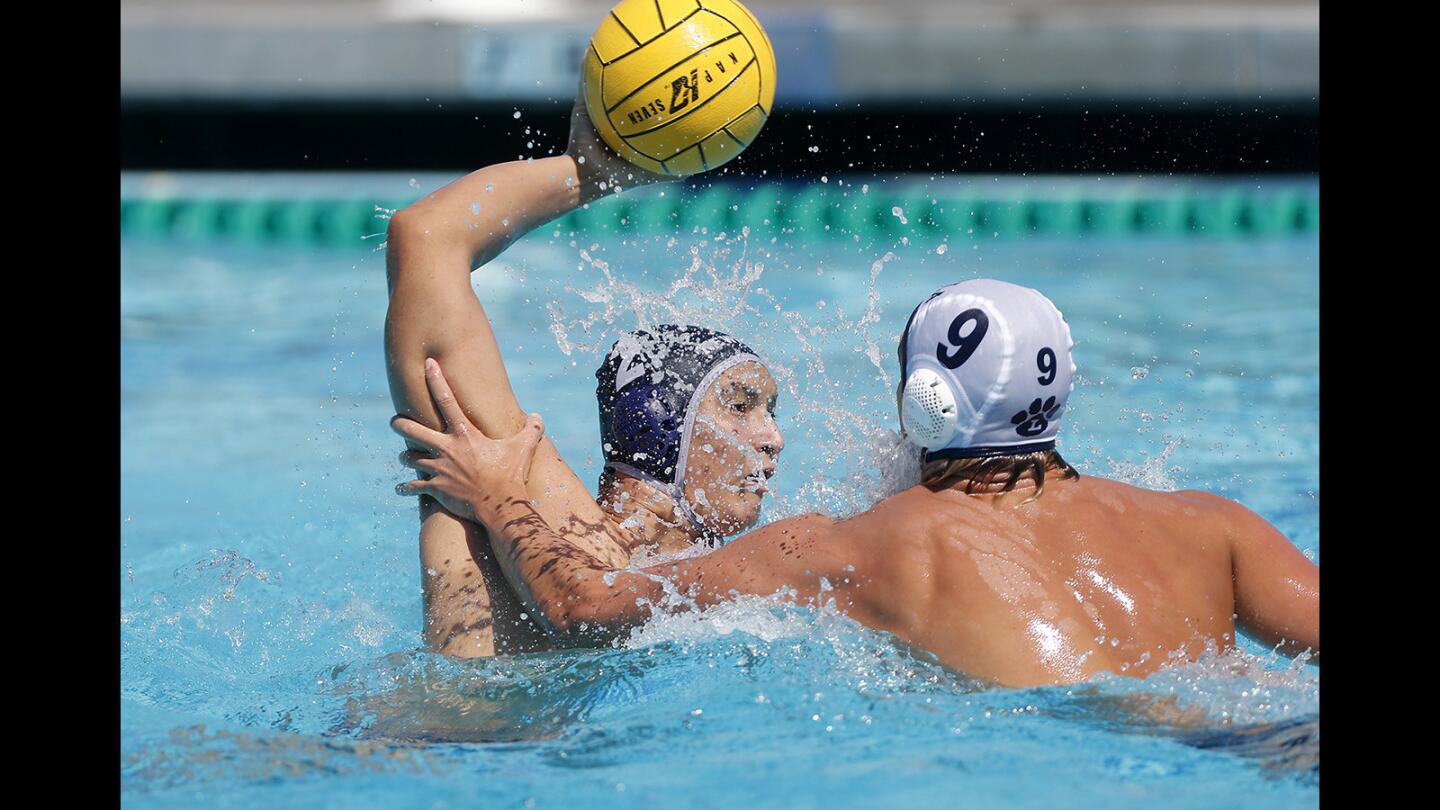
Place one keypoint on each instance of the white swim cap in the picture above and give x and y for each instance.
(987, 369)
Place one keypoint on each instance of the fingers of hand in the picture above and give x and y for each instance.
(416, 460)
(415, 432)
(531, 435)
(412, 488)
(455, 420)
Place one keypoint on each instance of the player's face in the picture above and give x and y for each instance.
(734, 447)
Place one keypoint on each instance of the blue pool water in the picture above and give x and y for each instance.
(270, 584)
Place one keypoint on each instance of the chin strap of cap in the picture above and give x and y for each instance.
(675, 491)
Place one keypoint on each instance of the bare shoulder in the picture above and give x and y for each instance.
(1211, 505)
(1186, 503)
(1245, 526)
(906, 501)
(1200, 499)
(1207, 512)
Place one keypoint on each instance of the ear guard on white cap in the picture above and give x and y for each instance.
(928, 410)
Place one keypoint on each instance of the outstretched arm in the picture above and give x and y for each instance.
(576, 593)
(1277, 590)
(432, 247)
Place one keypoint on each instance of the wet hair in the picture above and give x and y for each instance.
(981, 471)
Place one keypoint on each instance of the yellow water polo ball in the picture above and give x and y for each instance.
(679, 86)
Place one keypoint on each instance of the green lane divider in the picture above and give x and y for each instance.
(195, 219)
(807, 214)
(1109, 216)
(657, 213)
(712, 208)
(758, 207)
(849, 215)
(956, 215)
(1162, 215)
(1217, 214)
(811, 211)
(917, 207)
(1006, 217)
(149, 217)
(1061, 216)
(248, 220)
(1273, 214)
(343, 222)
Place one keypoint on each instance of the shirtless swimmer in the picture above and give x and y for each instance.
(1004, 562)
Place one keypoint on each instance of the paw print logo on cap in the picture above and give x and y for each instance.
(1034, 421)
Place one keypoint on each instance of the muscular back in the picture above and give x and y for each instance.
(1094, 575)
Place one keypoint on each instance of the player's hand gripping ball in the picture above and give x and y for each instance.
(679, 86)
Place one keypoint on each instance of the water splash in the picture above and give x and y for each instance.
(719, 287)
(1152, 473)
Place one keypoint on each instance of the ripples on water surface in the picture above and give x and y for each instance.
(270, 596)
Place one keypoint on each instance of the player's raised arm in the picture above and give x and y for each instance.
(432, 247)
